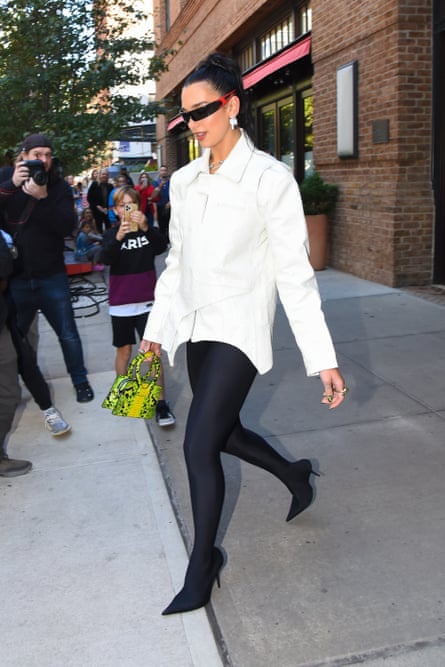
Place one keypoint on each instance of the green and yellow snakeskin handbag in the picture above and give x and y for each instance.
(134, 394)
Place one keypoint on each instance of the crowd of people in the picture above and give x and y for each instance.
(37, 217)
(93, 196)
(94, 206)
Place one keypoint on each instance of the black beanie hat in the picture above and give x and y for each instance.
(35, 141)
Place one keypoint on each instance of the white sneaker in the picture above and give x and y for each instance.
(55, 423)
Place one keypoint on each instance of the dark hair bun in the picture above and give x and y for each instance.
(224, 74)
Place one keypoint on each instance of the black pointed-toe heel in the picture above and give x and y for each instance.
(300, 487)
(197, 594)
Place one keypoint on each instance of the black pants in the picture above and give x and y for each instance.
(9, 386)
(163, 220)
(27, 365)
(220, 377)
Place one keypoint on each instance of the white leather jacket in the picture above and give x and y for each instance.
(238, 236)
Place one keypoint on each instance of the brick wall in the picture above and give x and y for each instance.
(383, 226)
(202, 26)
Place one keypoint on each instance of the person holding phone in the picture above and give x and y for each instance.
(130, 250)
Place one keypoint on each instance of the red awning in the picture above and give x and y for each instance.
(175, 121)
(286, 57)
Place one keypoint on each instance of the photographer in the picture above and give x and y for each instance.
(37, 207)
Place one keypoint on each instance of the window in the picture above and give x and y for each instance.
(284, 129)
(287, 134)
(246, 58)
(277, 38)
(167, 15)
(305, 18)
(308, 137)
(193, 148)
(146, 132)
(277, 130)
(267, 139)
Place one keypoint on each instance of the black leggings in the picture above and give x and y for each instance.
(220, 377)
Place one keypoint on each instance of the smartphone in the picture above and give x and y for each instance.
(128, 208)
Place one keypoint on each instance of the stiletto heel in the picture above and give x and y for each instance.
(300, 487)
(197, 594)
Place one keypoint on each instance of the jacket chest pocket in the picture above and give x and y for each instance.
(221, 233)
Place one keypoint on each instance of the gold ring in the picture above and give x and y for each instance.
(343, 391)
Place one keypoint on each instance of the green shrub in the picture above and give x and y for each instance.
(318, 196)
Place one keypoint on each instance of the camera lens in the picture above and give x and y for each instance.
(37, 171)
(40, 178)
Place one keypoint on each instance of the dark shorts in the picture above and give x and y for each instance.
(124, 329)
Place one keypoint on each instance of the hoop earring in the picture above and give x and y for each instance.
(233, 122)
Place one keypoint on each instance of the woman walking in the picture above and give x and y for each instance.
(238, 235)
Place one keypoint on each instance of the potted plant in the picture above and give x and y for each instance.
(319, 199)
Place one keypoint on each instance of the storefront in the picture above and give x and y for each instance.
(389, 222)
(278, 82)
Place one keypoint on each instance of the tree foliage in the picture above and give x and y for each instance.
(64, 66)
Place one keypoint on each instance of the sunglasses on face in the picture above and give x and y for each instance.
(207, 110)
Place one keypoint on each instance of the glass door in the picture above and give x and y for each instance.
(287, 133)
(267, 140)
(308, 137)
(277, 130)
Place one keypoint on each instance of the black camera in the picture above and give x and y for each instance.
(37, 171)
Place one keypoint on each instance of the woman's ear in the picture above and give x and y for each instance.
(234, 106)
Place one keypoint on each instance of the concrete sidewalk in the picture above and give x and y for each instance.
(90, 548)
(359, 577)
(91, 551)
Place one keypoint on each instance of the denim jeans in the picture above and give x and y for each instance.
(52, 297)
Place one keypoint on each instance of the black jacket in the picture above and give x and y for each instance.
(98, 196)
(39, 240)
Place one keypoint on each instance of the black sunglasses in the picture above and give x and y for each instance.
(206, 110)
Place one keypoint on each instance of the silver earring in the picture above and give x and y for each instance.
(233, 122)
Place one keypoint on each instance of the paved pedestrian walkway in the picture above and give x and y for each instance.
(91, 551)
(90, 548)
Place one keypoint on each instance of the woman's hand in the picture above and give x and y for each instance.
(335, 389)
(148, 346)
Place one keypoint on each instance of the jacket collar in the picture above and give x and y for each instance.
(234, 165)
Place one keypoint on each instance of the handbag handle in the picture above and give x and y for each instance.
(134, 368)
